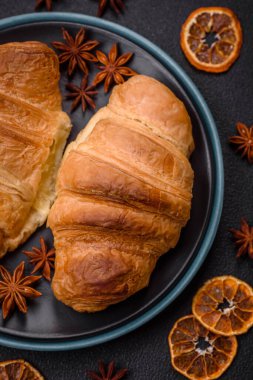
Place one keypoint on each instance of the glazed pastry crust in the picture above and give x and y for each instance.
(124, 192)
(32, 137)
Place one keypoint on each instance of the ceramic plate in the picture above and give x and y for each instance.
(49, 325)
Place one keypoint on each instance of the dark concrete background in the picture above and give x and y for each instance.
(230, 97)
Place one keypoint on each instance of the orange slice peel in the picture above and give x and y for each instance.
(218, 23)
(224, 305)
(198, 353)
(18, 370)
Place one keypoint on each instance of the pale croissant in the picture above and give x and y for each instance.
(124, 192)
(33, 132)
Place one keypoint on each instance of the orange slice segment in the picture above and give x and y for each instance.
(18, 370)
(211, 38)
(224, 305)
(198, 353)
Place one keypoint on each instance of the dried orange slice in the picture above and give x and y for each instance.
(224, 305)
(211, 38)
(198, 353)
(18, 370)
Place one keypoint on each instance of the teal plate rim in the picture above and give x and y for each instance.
(218, 191)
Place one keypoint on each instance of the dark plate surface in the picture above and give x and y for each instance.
(49, 319)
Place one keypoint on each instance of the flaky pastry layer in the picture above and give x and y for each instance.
(33, 134)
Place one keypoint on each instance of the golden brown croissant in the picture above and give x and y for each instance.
(124, 192)
(32, 137)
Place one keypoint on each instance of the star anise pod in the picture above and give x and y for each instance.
(244, 239)
(244, 141)
(107, 375)
(81, 95)
(116, 5)
(42, 259)
(76, 51)
(113, 69)
(47, 3)
(14, 289)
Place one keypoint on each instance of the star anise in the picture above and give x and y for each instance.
(81, 95)
(107, 375)
(113, 69)
(14, 289)
(244, 239)
(244, 141)
(42, 259)
(76, 51)
(47, 3)
(116, 5)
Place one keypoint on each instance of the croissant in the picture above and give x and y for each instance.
(32, 137)
(124, 192)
